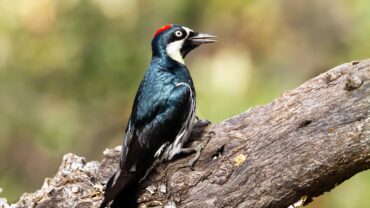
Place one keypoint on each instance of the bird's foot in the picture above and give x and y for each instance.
(199, 128)
(201, 122)
(197, 149)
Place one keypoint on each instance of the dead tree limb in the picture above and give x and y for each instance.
(302, 144)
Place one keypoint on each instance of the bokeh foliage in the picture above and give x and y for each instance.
(69, 70)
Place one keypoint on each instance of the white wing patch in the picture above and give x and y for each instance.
(125, 145)
(160, 150)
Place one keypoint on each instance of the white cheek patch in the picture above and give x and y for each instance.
(173, 49)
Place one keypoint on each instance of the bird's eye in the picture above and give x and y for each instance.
(178, 33)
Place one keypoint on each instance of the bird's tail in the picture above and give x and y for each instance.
(116, 184)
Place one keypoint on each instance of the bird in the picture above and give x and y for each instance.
(163, 111)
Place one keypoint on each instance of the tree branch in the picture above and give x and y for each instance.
(302, 144)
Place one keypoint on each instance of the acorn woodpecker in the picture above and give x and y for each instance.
(163, 111)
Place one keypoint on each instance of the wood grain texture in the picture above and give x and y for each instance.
(304, 143)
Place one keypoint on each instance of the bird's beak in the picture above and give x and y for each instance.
(194, 40)
(201, 38)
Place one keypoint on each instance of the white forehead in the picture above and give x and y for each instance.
(188, 30)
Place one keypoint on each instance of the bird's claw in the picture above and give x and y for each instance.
(201, 122)
(198, 149)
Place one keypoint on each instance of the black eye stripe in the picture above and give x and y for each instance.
(173, 37)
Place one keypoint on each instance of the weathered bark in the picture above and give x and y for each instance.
(302, 144)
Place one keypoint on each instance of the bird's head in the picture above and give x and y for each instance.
(177, 41)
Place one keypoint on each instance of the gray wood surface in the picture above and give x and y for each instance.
(304, 143)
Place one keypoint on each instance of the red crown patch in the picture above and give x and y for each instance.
(162, 29)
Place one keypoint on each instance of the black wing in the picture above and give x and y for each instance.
(146, 132)
(161, 124)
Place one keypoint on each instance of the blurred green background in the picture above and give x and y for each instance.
(69, 70)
